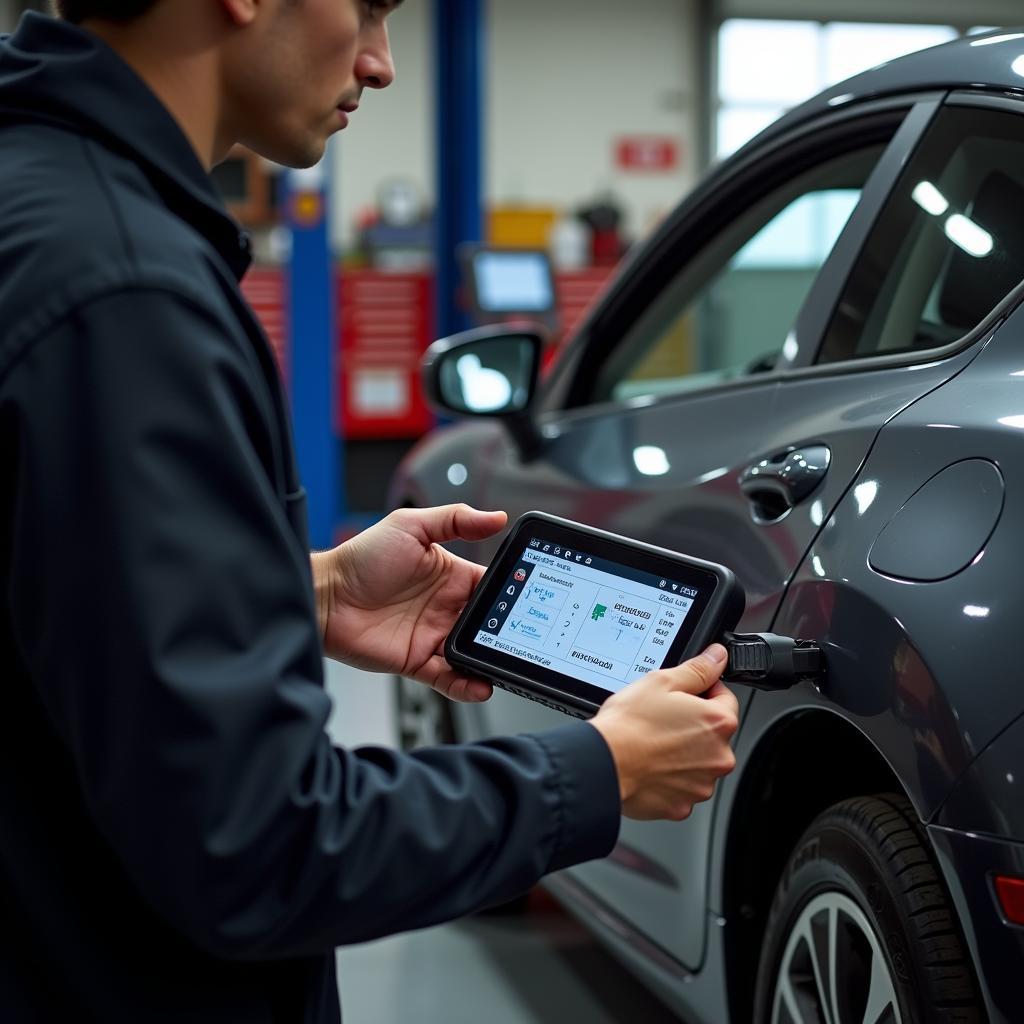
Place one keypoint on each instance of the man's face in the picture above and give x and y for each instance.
(295, 74)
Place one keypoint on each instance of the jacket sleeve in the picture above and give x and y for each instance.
(165, 611)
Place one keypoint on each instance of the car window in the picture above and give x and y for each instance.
(728, 311)
(948, 245)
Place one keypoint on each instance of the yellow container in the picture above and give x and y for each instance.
(521, 227)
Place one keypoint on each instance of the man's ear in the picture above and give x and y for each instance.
(240, 12)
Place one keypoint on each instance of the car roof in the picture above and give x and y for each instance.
(992, 61)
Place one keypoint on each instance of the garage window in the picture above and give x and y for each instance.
(755, 87)
(948, 246)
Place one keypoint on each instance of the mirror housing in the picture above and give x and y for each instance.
(488, 371)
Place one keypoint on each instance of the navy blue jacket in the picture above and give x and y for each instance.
(179, 840)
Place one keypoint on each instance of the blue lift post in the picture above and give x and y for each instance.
(459, 36)
(311, 291)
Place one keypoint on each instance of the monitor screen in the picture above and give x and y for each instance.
(513, 282)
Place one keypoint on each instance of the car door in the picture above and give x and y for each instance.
(682, 417)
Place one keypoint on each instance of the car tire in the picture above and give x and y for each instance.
(861, 922)
(424, 717)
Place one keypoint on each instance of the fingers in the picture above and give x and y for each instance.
(454, 522)
(699, 674)
(469, 691)
(437, 673)
(722, 695)
(474, 524)
(476, 571)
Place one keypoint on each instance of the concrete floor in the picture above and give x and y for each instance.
(536, 967)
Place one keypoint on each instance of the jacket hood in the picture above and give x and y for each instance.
(55, 73)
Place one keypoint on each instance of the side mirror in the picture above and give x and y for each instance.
(489, 371)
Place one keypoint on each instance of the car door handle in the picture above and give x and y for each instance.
(780, 481)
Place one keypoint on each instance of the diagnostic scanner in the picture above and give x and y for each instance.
(567, 615)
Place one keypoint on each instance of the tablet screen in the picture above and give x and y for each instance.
(585, 616)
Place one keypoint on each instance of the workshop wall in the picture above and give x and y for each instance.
(569, 79)
(10, 10)
(565, 82)
(392, 133)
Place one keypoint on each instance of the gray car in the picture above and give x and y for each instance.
(813, 373)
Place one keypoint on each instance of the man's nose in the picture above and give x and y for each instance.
(375, 67)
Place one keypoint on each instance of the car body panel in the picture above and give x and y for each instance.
(968, 862)
(700, 996)
(915, 688)
(449, 451)
(986, 799)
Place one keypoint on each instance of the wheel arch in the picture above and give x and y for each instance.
(766, 820)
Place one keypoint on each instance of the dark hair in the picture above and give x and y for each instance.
(77, 11)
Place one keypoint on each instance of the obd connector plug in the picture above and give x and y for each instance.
(767, 661)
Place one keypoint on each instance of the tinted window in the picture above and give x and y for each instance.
(728, 311)
(949, 244)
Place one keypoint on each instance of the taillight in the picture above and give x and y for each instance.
(1011, 897)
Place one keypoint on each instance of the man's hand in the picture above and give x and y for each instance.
(387, 599)
(669, 744)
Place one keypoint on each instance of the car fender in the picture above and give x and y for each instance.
(448, 465)
(926, 668)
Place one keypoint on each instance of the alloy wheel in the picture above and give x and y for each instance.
(833, 969)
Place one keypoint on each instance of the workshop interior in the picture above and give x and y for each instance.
(720, 302)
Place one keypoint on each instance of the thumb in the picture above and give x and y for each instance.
(701, 673)
(721, 695)
(454, 522)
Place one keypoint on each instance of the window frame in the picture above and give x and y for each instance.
(744, 178)
(696, 280)
(959, 98)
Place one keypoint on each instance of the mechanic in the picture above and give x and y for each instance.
(180, 841)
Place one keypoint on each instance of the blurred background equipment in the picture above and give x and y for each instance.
(250, 187)
(398, 234)
(508, 284)
(604, 218)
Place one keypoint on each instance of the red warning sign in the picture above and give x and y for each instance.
(647, 153)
